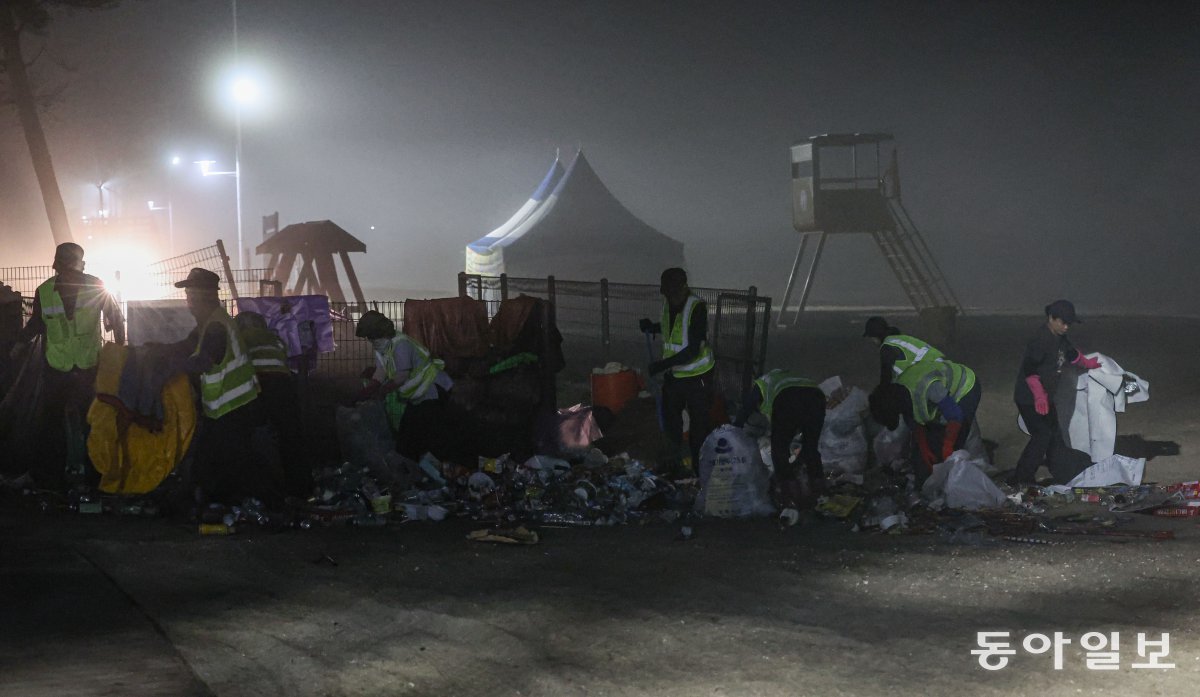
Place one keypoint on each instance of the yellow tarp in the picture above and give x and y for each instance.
(130, 458)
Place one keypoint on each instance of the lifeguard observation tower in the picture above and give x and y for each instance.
(849, 183)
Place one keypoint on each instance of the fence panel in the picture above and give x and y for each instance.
(599, 321)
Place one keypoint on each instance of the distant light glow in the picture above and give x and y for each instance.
(175, 160)
(133, 262)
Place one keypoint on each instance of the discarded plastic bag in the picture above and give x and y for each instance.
(577, 428)
(1112, 470)
(734, 482)
(843, 442)
(889, 446)
(963, 483)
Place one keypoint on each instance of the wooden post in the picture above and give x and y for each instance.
(228, 271)
(354, 287)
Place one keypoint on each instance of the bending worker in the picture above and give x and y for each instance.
(687, 360)
(1037, 381)
(897, 352)
(413, 386)
(938, 400)
(793, 405)
(67, 311)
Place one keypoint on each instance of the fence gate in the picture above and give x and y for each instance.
(738, 334)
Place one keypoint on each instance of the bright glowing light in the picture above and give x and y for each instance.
(131, 263)
(175, 160)
(150, 205)
(246, 90)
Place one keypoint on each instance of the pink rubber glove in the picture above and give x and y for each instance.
(1041, 403)
(1086, 363)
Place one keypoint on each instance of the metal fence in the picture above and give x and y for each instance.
(599, 321)
(352, 353)
(236, 282)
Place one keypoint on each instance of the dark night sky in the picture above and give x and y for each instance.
(1046, 149)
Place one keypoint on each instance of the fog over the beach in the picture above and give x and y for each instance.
(1046, 150)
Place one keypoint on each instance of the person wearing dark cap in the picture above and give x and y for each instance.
(1046, 353)
(71, 311)
(224, 377)
(897, 352)
(411, 383)
(687, 360)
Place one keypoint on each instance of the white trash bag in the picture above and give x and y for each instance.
(843, 442)
(1112, 471)
(890, 446)
(963, 483)
(734, 482)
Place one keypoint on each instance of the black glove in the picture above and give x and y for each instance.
(645, 325)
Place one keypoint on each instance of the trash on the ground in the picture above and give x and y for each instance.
(838, 506)
(962, 482)
(1112, 470)
(518, 536)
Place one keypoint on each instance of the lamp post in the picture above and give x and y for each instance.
(206, 169)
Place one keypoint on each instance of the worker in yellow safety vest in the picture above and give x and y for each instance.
(71, 312)
(897, 352)
(225, 466)
(686, 359)
(412, 384)
(938, 400)
(793, 405)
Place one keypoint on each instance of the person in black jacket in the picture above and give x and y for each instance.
(1047, 352)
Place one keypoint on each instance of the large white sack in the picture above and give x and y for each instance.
(734, 482)
(843, 442)
(963, 483)
(1112, 471)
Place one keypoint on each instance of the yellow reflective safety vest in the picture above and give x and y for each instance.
(675, 339)
(774, 382)
(231, 383)
(958, 380)
(266, 351)
(914, 351)
(72, 343)
(424, 371)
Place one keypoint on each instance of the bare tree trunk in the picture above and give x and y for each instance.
(26, 103)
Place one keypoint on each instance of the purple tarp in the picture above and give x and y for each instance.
(286, 315)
